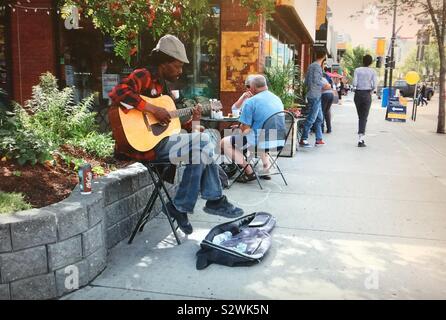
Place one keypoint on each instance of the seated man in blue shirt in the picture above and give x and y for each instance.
(256, 110)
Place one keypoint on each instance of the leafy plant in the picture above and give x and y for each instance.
(53, 119)
(98, 170)
(99, 144)
(126, 20)
(22, 142)
(17, 173)
(257, 8)
(12, 202)
(352, 59)
(71, 161)
(284, 81)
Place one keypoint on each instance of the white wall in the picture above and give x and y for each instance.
(306, 9)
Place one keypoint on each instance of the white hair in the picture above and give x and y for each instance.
(257, 80)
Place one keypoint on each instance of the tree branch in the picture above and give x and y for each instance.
(436, 24)
(443, 25)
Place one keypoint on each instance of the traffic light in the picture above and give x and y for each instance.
(390, 64)
(379, 61)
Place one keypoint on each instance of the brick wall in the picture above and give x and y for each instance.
(33, 47)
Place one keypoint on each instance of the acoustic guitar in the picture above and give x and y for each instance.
(141, 130)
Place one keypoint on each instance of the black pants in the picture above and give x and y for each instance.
(327, 101)
(363, 102)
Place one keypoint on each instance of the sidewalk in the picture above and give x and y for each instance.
(353, 223)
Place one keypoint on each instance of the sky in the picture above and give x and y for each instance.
(363, 29)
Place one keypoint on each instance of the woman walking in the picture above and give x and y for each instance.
(327, 101)
(364, 82)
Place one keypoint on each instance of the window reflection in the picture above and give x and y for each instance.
(3, 51)
(201, 76)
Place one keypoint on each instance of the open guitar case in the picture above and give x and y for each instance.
(251, 233)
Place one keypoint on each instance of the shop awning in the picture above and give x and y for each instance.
(287, 15)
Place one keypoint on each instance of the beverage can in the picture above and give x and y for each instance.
(85, 178)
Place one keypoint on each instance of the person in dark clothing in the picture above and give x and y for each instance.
(200, 177)
(422, 95)
(340, 90)
(364, 82)
(327, 101)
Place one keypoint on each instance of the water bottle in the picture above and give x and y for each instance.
(241, 247)
(222, 237)
(212, 103)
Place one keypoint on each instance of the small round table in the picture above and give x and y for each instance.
(219, 124)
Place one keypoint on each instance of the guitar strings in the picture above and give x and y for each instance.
(186, 111)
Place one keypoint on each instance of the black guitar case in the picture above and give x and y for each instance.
(248, 244)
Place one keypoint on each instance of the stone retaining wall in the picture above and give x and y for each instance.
(42, 249)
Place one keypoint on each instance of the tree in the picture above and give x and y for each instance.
(429, 66)
(125, 20)
(435, 10)
(352, 59)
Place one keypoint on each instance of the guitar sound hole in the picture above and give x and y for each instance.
(158, 129)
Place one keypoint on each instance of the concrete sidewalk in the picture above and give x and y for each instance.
(353, 223)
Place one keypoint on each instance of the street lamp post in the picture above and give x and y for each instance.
(392, 48)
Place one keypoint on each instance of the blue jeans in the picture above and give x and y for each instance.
(314, 117)
(200, 173)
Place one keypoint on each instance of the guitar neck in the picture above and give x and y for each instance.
(186, 111)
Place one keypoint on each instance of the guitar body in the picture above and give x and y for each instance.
(141, 131)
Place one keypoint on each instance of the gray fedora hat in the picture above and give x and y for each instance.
(172, 46)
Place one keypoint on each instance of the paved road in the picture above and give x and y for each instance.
(353, 223)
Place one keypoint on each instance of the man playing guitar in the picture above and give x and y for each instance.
(166, 62)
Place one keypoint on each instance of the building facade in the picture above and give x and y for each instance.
(35, 39)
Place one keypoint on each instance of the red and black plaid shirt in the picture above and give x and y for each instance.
(140, 81)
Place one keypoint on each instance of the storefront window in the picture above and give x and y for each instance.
(201, 76)
(274, 52)
(4, 85)
(89, 64)
(277, 50)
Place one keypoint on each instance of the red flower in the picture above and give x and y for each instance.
(133, 51)
(177, 12)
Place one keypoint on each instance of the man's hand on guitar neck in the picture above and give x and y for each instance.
(196, 113)
(196, 117)
(162, 115)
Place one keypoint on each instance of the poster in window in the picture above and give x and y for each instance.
(69, 75)
(109, 81)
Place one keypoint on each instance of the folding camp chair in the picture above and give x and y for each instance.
(159, 172)
(272, 138)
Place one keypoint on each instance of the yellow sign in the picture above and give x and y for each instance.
(412, 77)
(381, 47)
(321, 14)
(400, 116)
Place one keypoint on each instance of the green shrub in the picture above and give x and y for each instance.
(24, 142)
(285, 82)
(12, 202)
(52, 119)
(99, 144)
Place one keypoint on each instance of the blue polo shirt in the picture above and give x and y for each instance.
(256, 110)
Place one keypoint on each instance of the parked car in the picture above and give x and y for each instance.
(406, 90)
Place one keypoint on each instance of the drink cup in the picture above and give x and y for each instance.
(176, 94)
(236, 113)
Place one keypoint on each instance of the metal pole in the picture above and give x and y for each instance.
(392, 48)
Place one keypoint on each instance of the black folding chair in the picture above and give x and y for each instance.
(275, 130)
(159, 172)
